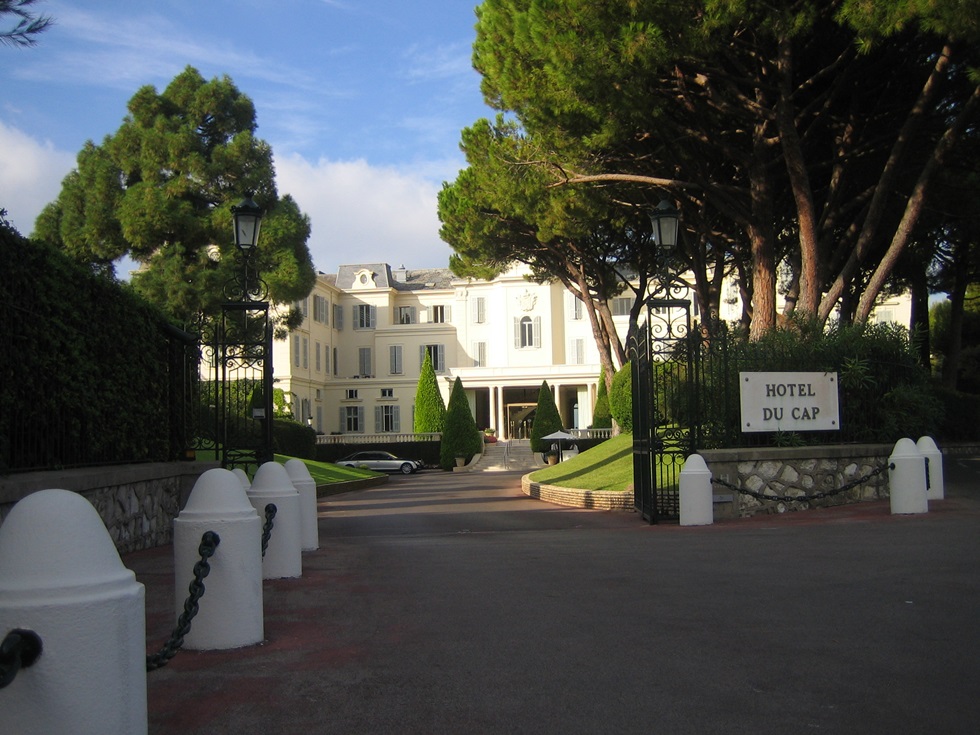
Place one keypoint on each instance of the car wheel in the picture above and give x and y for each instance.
(407, 468)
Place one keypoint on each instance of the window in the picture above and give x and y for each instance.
(395, 360)
(364, 361)
(338, 316)
(316, 356)
(480, 310)
(296, 351)
(527, 332)
(577, 308)
(306, 353)
(335, 360)
(352, 419)
(387, 392)
(364, 316)
(479, 354)
(440, 314)
(319, 309)
(351, 394)
(406, 315)
(621, 306)
(387, 419)
(438, 355)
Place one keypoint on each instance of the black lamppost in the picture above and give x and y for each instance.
(246, 349)
(247, 217)
(647, 445)
(665, 221)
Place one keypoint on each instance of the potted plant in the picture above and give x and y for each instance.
(489, 436)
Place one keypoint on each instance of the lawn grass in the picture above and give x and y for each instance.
(323, 473)
(608, 466)
(326, 473)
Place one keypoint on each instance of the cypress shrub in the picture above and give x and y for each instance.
(430, 410)
(460, 437)
(621, 398)
(601, 416)
(546, 420)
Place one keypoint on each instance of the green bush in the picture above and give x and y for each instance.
(621, 398)
(292, 438)
(601, 416)
(430, 410)
(547, 420)
(461, 437)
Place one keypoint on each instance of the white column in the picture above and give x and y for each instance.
(696, 498)
(306, 487)
(61, 577)
(230, 612)
(283, 557)
(930, 452)
(907, 482)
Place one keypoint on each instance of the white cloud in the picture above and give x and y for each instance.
(365, 214)
(30, 176)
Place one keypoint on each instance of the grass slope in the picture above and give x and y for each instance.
(608, 466)
(326, 473)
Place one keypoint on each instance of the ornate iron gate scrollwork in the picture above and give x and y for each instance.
(662, 354)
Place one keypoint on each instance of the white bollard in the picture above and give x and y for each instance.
(907, 481)
(283, 557)
(230, 612)
(61, 577)
(306, 487)
(930, 452)
(240, 474)
(697, 507)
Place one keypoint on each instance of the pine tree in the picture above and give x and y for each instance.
(430, 409)
(601, 417)
(461, 437)
(546, 420)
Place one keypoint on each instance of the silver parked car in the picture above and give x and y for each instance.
(381, 462)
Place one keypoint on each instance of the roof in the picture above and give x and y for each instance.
(399, 279)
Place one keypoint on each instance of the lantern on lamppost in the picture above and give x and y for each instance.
(246, 350)
(665, 221)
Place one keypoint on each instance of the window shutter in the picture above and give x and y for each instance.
(422, 356)
(360, 419)
(537, 331)
(343, 420)
(517, 333)
(378, 420)
(396, 418)
(441, 358)
(372, 316)
(414, 312)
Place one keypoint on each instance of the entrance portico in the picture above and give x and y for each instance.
(506, 403)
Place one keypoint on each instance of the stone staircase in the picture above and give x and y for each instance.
(508, 456)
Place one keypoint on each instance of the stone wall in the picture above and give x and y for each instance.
(137, 503)
(598, 500)
(797, 472)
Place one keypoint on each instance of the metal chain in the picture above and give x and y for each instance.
(805, 498)
(209, 542)
(20, 648)
(270, 514)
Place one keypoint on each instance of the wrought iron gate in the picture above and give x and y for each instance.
(662, 357)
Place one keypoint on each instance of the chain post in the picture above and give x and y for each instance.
(270, 515)
(209, 542)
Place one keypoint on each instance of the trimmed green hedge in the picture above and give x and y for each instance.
(84, 371)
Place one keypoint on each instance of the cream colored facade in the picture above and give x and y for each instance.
(354, 364)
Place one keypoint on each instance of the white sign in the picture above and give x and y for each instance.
(789, 401)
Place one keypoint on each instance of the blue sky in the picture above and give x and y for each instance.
(362, 102)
